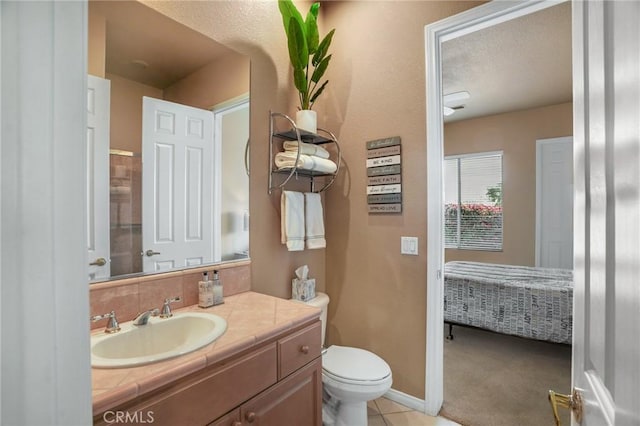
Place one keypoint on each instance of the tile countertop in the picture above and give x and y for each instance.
(252, 318)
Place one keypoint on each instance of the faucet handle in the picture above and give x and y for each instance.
(166, 307)
(112, 324)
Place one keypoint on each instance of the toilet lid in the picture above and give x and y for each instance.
(354, 364)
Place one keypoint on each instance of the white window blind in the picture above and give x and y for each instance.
(473, 201)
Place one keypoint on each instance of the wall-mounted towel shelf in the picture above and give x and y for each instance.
(293, 133)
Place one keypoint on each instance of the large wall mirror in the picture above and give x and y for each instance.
(168, 136)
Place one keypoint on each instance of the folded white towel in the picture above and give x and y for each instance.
(314, 221)
(306, 148)
(307, 162)
(292, 220)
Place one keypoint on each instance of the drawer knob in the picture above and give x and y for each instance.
(304, 349)
(250, 416)
(236, 424)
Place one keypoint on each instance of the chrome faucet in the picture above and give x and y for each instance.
(143, 318)
(166, 307)
(112, 324)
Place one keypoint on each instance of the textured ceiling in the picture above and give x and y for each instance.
(136, 32)
(519, 64)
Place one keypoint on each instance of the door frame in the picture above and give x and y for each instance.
(98, 181)
(219, 112)
(467, 22)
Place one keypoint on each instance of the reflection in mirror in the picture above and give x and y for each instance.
(138, 52)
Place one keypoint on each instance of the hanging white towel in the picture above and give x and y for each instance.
(308, 162)
(292, 220)
(306, 148)
(314, 221)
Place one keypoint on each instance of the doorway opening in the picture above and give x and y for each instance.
(490, 118)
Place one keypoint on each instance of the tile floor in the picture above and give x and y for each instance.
(384, 412)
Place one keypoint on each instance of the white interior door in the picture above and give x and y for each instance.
(554, 203)
(177, 186)
(606, 351)
(98, 104)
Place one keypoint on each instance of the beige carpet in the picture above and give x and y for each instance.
(492, 379)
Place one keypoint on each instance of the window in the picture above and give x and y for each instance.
(473, 201)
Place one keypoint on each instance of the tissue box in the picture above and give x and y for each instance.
(303, 290)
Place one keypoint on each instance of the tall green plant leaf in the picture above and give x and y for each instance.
(323, 48)
(288, 10)
(317, 92)
(298, 53)
(300, 80)
(311, 31)
(320, 69)
(314, 9)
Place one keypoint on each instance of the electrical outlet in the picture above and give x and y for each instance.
(409, 245)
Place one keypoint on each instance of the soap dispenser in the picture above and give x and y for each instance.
(217, 289)
(205, 292)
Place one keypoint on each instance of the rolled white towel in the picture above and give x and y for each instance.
(306, 148)
(307, 162)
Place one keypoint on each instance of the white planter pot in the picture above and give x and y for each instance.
(307, 119)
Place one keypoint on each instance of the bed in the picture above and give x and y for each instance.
(536, 303)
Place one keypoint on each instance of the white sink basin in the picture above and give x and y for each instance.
(158, 340)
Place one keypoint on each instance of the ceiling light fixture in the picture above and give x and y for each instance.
(455, 98)
(454, 101)
(140, 63)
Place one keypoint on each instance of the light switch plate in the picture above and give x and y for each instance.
(409, 245)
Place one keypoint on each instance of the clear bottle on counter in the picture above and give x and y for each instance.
(218, 297)
(205, 292)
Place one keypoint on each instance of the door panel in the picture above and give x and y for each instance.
(606, 367)
(178, 188)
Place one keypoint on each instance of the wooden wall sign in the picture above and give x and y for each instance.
(384, 178)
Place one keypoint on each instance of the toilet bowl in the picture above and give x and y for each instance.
(350, 377)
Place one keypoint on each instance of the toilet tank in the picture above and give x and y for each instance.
(320, 301)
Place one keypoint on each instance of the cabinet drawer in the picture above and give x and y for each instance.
(298, 349)
(210, 394)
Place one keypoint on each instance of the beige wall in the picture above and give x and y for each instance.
(223, 79)
(97, 45)
(126, 112)
(376, 90)
(515, 134)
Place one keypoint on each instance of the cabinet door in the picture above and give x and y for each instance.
(296, 400)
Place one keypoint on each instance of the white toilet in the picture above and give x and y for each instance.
(350, 376)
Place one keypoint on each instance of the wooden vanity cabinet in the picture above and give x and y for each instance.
(277, 383)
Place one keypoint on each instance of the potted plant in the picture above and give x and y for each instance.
(309, 58)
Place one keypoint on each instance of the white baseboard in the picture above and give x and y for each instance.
(406, 400)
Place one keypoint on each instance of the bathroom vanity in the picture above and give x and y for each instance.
(265, 369)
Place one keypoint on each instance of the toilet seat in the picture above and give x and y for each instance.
(354, 366)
